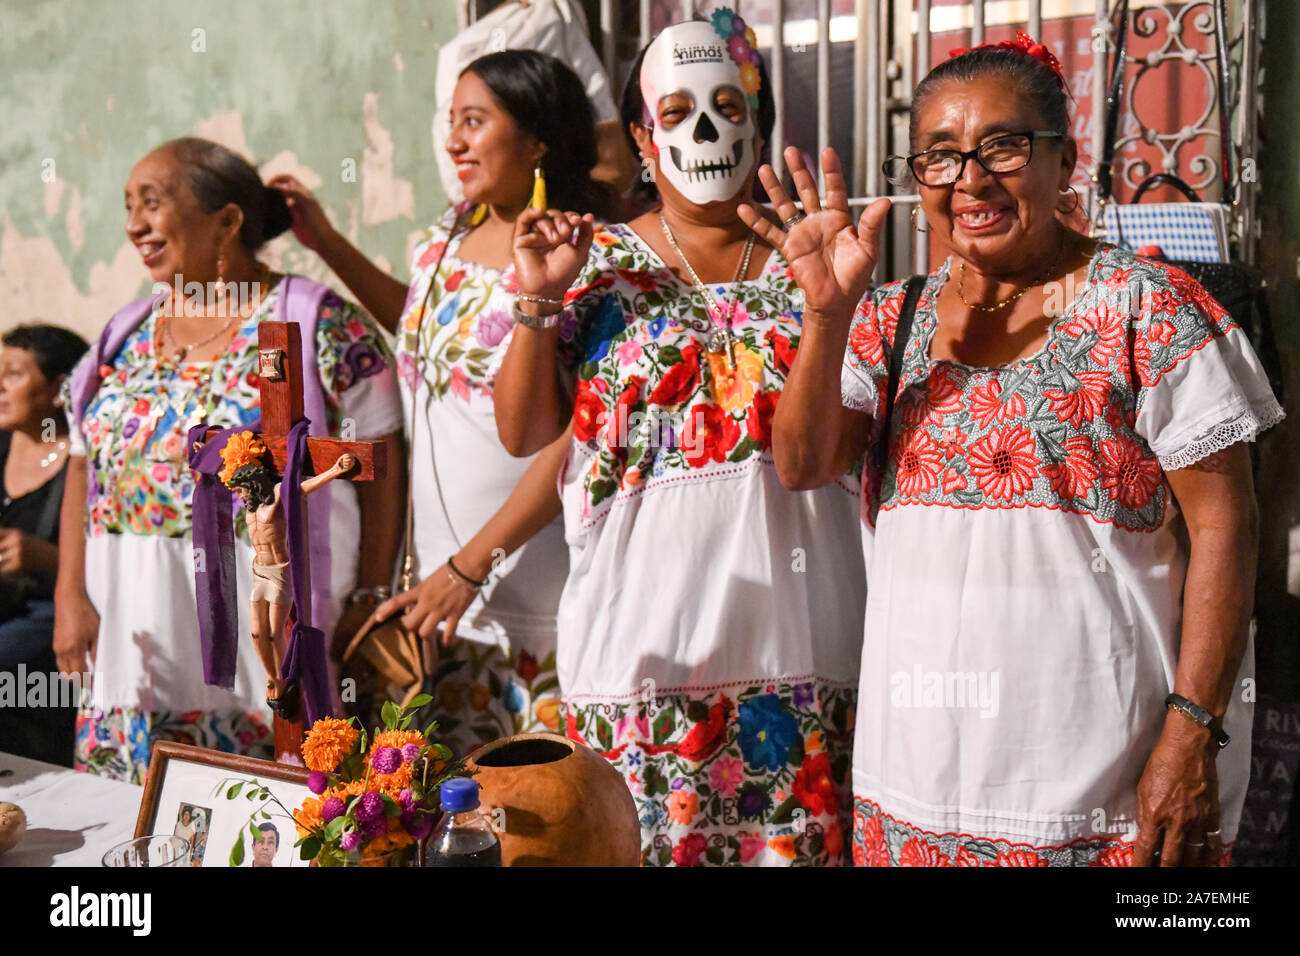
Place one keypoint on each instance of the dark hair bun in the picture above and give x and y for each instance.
(278, 217)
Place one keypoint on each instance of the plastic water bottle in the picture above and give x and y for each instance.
(465, 836)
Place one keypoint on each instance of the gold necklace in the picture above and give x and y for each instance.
(719, 340)
(998, 306)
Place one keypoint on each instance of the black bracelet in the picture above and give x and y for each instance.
(463, 576)
(1200, 715)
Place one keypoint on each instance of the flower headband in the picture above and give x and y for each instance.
(741, 47)
(1023, 43)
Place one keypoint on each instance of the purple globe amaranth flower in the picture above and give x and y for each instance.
(370, 806)
(350, 840)
(317, 782)
(374, 829)
(386, 760)
(411, 753)
(331, 809)
(417, 824)
(406, 799)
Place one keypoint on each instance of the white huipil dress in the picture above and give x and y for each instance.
(499, 677)
(710, 628)
(1026, 572)
(140, 558)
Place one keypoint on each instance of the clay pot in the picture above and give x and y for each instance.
(564, 804)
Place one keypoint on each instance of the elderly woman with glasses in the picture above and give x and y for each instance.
(1060, 539)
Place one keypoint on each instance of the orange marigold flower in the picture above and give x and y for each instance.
(307, 817)
(397, 739)
(392, 783)
(328, 742)
(242, 448)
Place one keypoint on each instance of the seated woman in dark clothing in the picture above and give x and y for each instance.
(34, 360)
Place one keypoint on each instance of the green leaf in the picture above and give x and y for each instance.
(785, 812)
(334, 829)
(237, 851)
(265, 815)
(390, 713)
(406, 721)
(478, 355)
(600, 490)
(714, 855)
(419, 701)
(664, 726)
(391, 807)
(234, 791)
(494, 684)
(796, 752)
(744, 449)
(310, 847)
(669, 354)
(542, 686)
(604, 734)
(453, 351)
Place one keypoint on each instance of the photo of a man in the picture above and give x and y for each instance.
(268, 842)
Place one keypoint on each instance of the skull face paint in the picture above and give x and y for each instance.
(708, 153)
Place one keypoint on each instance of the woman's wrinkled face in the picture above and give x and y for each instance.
(26, 396)
(165, 222)
(494, 157)
(991, 220)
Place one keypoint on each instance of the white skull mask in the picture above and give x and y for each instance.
(706, 156)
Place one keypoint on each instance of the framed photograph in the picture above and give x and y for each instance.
(234, 810)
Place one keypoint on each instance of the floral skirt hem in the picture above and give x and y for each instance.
(761, 780)
(880, 839)
(117, 743)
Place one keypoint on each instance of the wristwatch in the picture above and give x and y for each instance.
(1200, 715)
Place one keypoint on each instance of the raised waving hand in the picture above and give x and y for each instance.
(550, 249)
(830, 256)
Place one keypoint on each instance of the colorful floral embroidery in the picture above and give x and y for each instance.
(1055, 430)
(652, 403)
(468, 317)
(135, 428)
(741, 775)
(117, 744)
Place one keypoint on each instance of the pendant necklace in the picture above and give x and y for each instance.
(720, 339)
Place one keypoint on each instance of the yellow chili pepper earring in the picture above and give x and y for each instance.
(539, 189)
(479, 214)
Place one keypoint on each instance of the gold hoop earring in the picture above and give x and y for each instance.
(915, 210)
(1078, 200)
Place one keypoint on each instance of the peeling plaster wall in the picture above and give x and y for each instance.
(314, 89)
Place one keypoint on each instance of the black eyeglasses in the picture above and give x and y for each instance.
(943, 167)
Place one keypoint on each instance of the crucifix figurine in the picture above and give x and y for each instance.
(259, 461)
(249, 475)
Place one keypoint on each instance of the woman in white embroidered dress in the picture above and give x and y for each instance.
(1067, 530)
(475, 506)
(710, 628)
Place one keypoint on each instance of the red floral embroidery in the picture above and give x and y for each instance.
(709, 434)
(1189, 290)
(1084, 403)
(642, 280)
(874, 851)
(917, 852)
(1118, 855)
(1127, 473)
(628, 399)
(940, 395)
(1107, 326)
(588, 412)
(988, 406)
(1003, 462)
(953, 442)
(1020, 858)
(889, 311)
(454, 280)
(689, 849)
(1162, 332)
(783, 351)
(814, 785)
(919, 463)
(1073, 477)
(1161, 302)
(681, 381)
(866, 344)
(759, 420)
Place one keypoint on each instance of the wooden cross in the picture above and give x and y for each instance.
(280, 385)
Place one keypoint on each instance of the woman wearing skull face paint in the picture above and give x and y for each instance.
(709, 629)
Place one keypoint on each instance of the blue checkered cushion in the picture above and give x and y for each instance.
(1195, 231)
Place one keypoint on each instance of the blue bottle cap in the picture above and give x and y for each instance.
(459, 794)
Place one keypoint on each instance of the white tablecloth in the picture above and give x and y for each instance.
(72, 818)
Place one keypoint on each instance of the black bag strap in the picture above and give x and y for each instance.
(1165, 179)
(903, 331)
(53, 504)
(1106, 168)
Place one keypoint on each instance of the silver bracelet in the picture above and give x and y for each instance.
(547, 321)
(539, 299)
(370, 596)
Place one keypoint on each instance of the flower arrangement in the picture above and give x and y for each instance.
(375, 798)
(742, 47)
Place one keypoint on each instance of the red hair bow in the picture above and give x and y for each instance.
(1023, 43)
